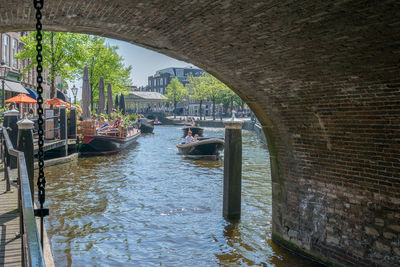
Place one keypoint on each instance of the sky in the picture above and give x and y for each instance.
(144, 63)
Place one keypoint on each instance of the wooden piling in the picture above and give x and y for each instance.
(232, 170)
(63, 128)
(25, 144)
(11, 117)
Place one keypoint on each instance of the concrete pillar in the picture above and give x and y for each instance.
(25, 144)
(63, 128)
(232, 169)
(10, 120)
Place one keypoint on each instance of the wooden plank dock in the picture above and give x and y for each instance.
(10, 242)
(53, 144)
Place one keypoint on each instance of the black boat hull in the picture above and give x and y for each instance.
(206, 148)
(146, 128)
(105, 145)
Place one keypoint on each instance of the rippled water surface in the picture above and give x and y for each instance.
(149, 207)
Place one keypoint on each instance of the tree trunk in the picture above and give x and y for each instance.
(52, 87)
(231, 105)
(213, 101)
(201, 102)
(52, 69)
(175, 109)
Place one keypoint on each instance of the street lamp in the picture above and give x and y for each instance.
(3, 95)
(74, 92)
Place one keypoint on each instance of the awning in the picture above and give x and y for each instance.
(32, 94)
(15, 87)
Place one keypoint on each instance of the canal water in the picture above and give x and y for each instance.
(149, 207)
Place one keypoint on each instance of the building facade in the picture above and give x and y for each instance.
(10, 46)
(160, 80)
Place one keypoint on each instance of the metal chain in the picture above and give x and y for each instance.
(41, 183)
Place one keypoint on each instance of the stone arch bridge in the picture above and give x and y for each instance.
(323, 78)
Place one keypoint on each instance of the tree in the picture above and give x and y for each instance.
(198, 89)
(104, 61)
(215, 88)
(176, 93)
(66, 54)
(228, 98)
(62, 53)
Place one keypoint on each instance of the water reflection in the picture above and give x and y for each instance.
(148, 206)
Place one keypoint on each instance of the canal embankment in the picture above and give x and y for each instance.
(218, 123)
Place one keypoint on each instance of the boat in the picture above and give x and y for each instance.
(205, 148)
(194, 129)
(94, 141)
(145, 126)
(157, 122)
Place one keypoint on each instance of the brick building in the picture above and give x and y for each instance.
(159, 81)
(16, 81)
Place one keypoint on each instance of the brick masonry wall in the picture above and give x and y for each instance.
(322, 78)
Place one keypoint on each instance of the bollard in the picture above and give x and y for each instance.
(25, 144)
(11, 117)
(63, 128)
(232, 169)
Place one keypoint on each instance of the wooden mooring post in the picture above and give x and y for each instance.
(232, 170)
(63, 128)
(72, 123)
(10, 121)
(25, 144)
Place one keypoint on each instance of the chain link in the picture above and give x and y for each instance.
(41, 183)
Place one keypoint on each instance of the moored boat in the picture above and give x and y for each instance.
(194, 129)
(145, 126)
(157, 122)
(205, 148)
(105, 142)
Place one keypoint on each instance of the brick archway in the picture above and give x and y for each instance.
(323, 79)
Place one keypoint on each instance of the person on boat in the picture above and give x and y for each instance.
(192, 123)
(196, 138)
(189, 137)
(105, 124)
(117, 122)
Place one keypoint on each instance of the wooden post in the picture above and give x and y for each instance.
(63, 128)
(11, 117)
(232, 170)
(72, 123)
(25, 144)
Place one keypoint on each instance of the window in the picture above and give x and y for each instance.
(14, 53)
(6, 51)
(161, 82)
(179, 72)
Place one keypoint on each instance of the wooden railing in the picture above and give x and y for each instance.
(31, 248)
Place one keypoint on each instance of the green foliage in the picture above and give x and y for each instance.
(198, 87)
(207, 87)
(104, 61)
(62, 54)
(131, 117)
(176, 92)
(65, 55)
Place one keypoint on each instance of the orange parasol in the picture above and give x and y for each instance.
(21, 98)
(56, 102)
